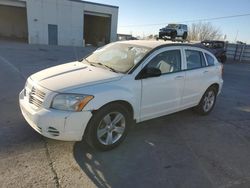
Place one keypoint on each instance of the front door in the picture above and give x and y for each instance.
(162, 95)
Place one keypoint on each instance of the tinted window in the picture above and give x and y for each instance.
(169, 61)
(195, 59)
(210, 60)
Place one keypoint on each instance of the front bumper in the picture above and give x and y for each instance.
(55, 124)
(164, 33)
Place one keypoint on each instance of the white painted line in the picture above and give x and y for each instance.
(11, 66)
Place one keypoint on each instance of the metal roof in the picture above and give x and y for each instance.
(99, 4)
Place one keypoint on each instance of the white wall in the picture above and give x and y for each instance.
(68, 15)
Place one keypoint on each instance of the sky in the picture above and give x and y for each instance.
(135, 15)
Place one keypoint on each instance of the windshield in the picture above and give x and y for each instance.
(118, 57)
(172, 26)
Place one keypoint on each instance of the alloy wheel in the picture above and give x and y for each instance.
(208, 101)
(111, 128)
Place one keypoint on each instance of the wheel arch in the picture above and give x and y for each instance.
(216, 86)
(124, 103)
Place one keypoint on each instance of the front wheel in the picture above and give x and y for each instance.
(108, 127)
(207, 102)
(173, 35)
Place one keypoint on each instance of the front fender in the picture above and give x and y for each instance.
(129, 92)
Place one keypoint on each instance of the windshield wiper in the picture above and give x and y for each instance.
(91, 63)
(108, 67)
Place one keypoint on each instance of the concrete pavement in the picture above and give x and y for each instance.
(179, 150)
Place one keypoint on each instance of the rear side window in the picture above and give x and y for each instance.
(195, 59)
(210, 60)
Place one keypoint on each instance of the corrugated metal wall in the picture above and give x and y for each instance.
(240, 52)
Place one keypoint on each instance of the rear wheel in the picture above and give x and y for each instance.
(207, 102)
(223, 59)
(108, 127)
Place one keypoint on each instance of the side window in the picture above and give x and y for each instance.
(210, 60)
(195, 59)
(167, 62)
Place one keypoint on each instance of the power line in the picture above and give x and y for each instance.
(195, 20)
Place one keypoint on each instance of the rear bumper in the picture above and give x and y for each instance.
(220, 86)
(55, 124)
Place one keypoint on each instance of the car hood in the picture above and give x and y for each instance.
(73, 75)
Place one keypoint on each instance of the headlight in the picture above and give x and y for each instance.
(70, 102)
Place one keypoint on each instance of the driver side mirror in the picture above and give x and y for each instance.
(149, 72)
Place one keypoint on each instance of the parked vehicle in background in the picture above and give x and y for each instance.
(173, 31)
(218, 48)
(122, 37)
(99, 97)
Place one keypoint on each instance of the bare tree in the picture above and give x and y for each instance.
(204, 31)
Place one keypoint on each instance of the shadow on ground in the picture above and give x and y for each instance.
(180, 150)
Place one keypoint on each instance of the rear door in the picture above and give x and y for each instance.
(197, 74)
(180, 30)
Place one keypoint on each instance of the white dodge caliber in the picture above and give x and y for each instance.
(99, 97)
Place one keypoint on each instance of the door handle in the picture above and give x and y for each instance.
(179, 77)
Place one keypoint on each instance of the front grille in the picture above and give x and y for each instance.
(36, 97)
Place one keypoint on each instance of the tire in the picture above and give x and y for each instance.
(184, 37)
(173, 35)
(223, 59)
(101, 133)
(207, 102)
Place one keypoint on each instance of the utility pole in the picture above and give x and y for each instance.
(236, 36)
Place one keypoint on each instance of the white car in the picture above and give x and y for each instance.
(100, 97)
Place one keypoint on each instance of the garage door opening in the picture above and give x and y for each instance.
(13, 23)
(96, 28)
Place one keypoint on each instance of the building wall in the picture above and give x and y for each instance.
(67, 15)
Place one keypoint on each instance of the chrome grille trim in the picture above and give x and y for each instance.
(36, 97)
(37, 93)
